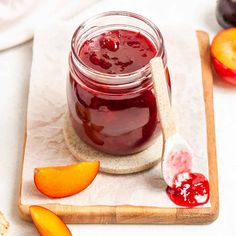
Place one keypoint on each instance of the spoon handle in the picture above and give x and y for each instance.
(162, 98)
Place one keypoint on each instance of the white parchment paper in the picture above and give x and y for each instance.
(45, 144)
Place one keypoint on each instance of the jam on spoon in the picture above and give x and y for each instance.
(184, 188)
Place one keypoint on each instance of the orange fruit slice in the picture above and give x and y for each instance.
(64, 181)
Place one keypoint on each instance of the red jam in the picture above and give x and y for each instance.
(189, 190)
(117, 51)
(119, 121)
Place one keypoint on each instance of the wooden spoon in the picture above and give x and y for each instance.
(176, 153)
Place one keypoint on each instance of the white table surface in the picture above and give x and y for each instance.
(14, 77)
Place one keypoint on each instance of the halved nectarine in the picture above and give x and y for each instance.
(47, 223)
(223, 51)
(64, 181)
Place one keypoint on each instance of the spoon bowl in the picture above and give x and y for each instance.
(176, 159)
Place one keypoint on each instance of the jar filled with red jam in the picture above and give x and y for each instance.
(112, 105)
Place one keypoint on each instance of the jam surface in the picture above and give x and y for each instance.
(189, 190)
(117, 52)
(118, 124)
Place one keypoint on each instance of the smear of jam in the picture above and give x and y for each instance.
(117, 51)
(189, 190)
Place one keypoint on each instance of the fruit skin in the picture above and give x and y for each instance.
(224, 72)
(47, 223)
(226, 13)
(223, 53)
(64, 181)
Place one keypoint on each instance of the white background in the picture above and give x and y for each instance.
(14, 77)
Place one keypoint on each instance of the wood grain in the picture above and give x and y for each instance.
(163, 100)
(154, 215)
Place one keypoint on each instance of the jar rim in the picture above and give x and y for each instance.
(125, 77)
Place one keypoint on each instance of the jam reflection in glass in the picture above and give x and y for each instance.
(110, 93)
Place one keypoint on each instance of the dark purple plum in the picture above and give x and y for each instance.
(226, 13)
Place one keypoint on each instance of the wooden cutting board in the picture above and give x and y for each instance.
(154, 215)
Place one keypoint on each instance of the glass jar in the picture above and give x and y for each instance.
(114, 112)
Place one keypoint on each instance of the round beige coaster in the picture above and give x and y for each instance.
(112, 164)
